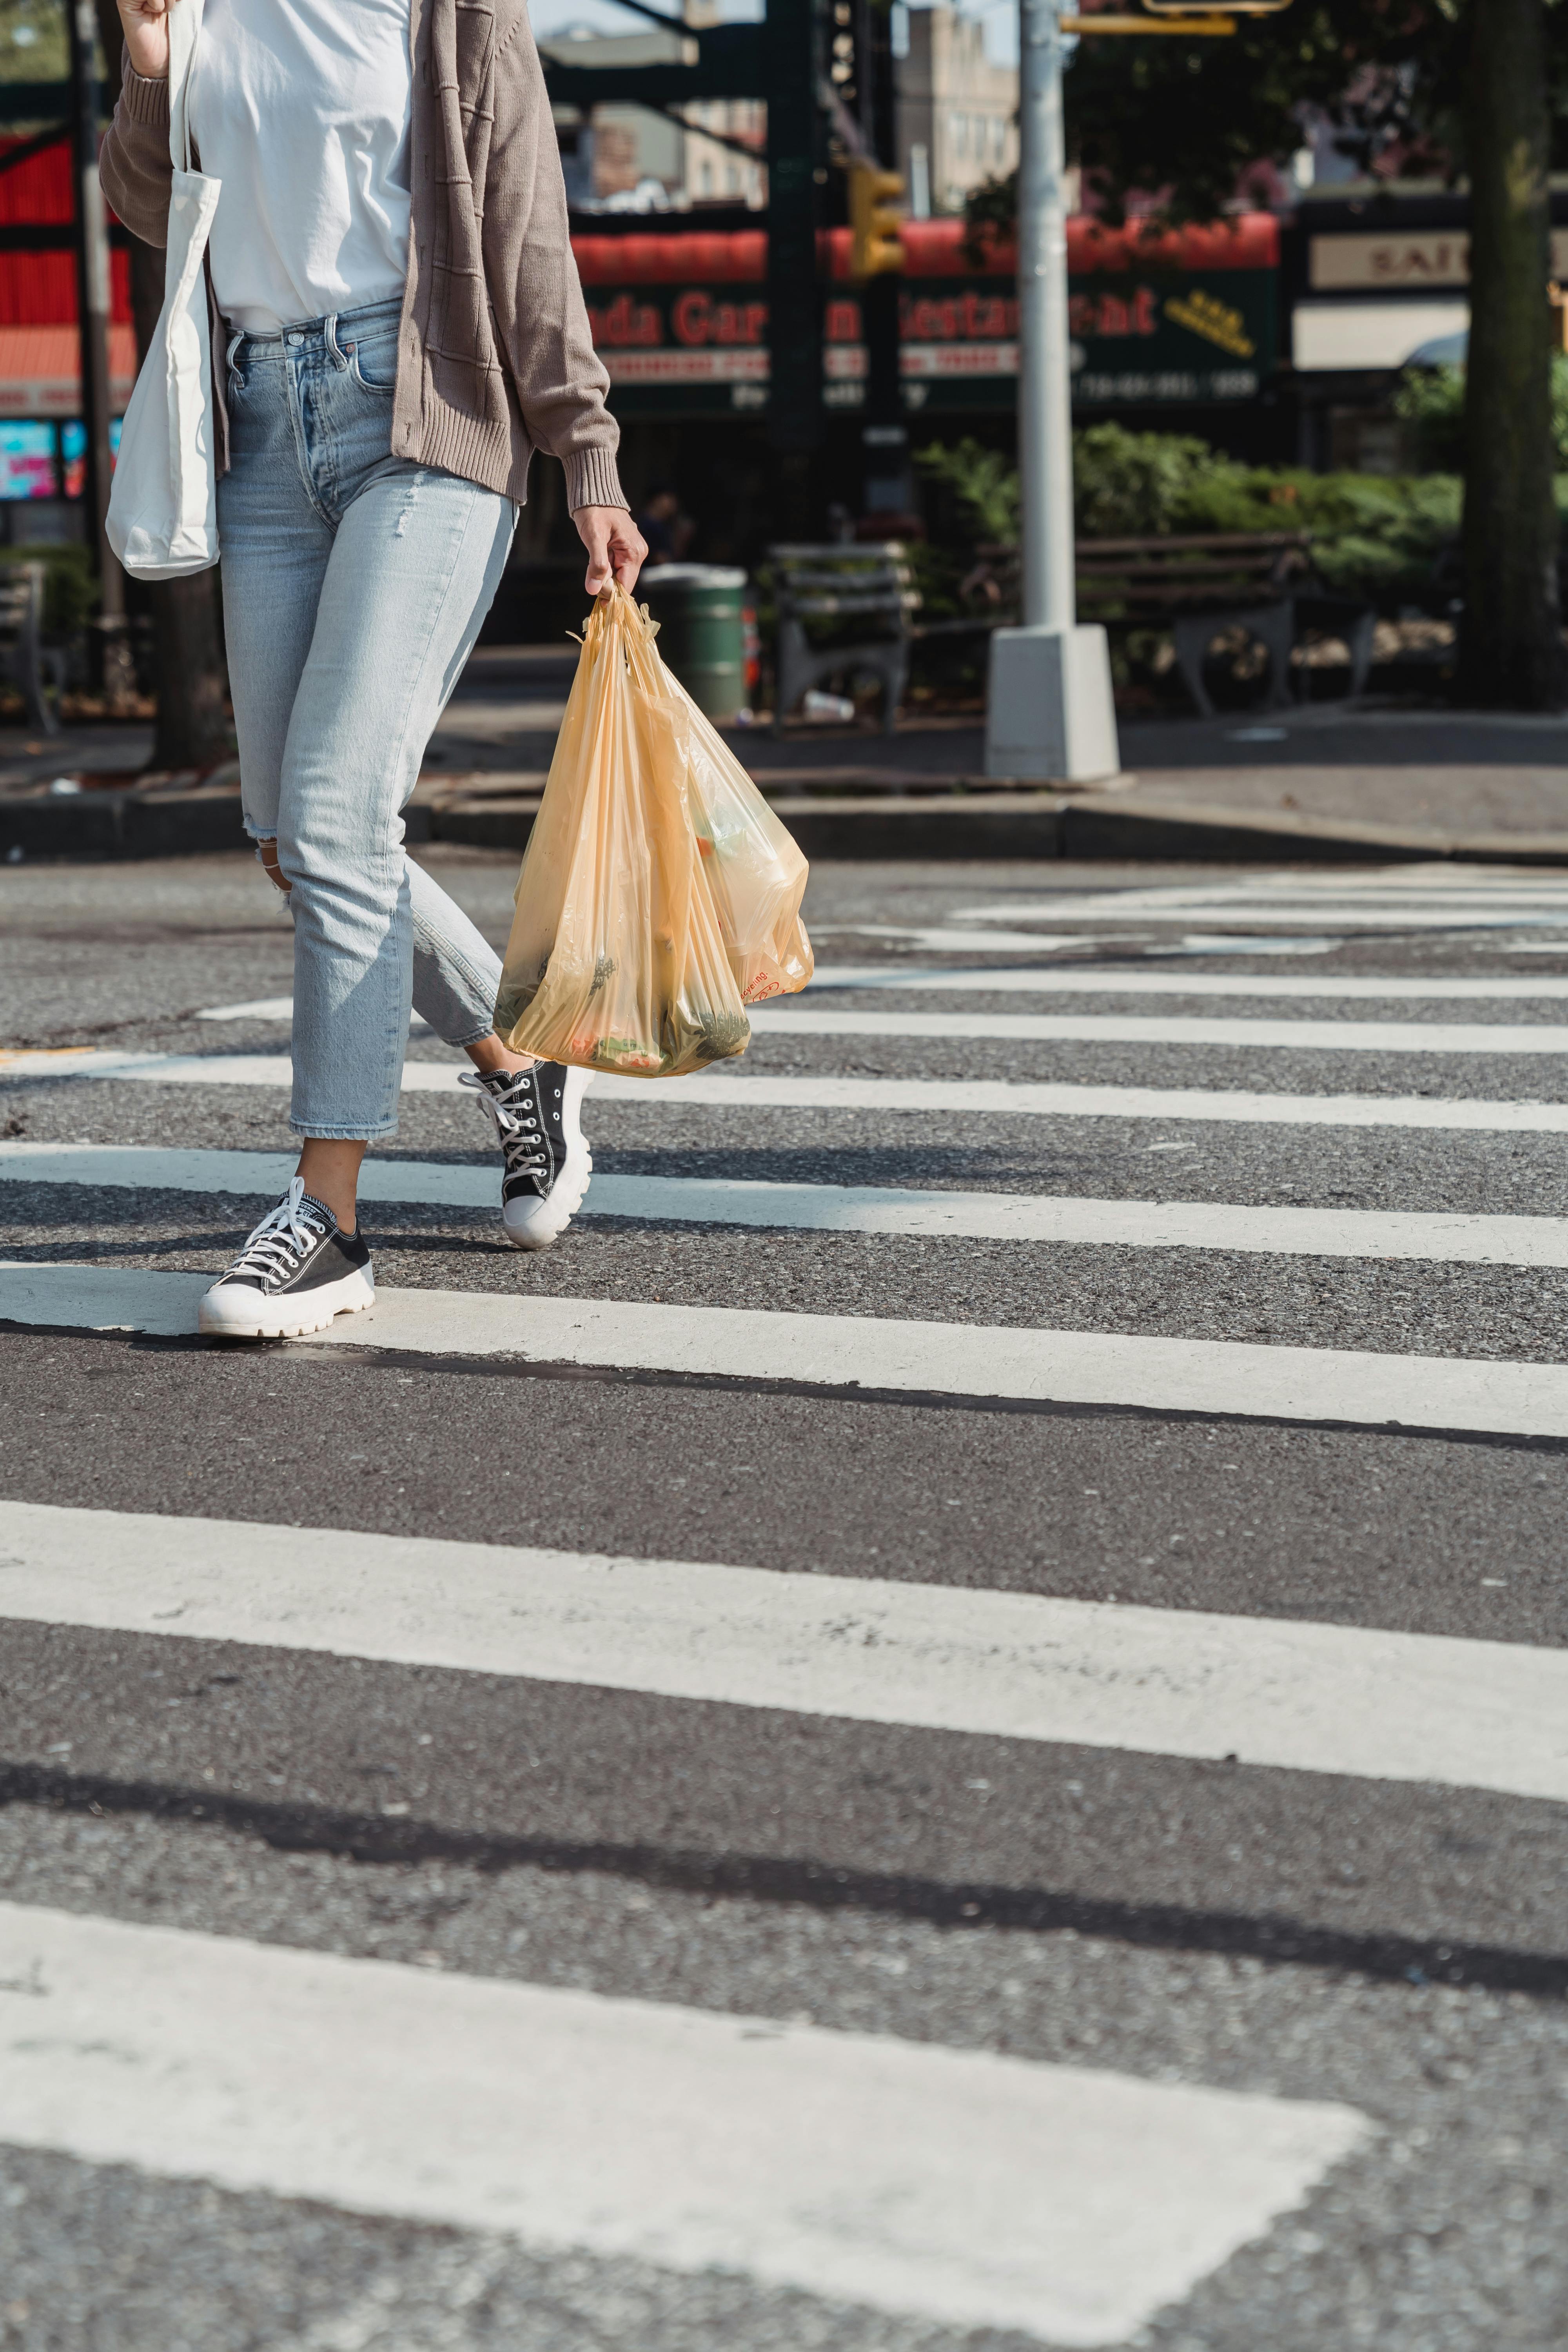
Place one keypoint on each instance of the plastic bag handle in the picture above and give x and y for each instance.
(627, 612)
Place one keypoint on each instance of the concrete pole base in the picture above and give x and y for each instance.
(1050, 715)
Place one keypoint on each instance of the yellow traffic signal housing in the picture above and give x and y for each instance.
(874, 219)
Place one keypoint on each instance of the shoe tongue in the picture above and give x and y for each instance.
(308, 1201)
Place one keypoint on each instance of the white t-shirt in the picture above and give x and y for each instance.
(301, 108)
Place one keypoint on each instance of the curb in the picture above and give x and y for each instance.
(99, 825)
(1150, 829)
(883, 825)
(1015, 824)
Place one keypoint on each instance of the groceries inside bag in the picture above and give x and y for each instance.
(659, 894)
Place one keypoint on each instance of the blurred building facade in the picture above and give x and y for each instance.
(622, 158)
(957, 111)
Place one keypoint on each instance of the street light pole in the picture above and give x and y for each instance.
(1051, 714)
(1044, 402)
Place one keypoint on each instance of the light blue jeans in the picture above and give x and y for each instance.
(353, 586)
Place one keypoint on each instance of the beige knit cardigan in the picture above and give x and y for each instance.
(495, 358)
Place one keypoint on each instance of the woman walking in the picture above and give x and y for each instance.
(402, 327)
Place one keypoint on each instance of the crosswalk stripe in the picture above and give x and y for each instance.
(1270, 1691)
(945, 938)
(1108, 980)
(1335, 915)
(930, 1098)
(1106, 1028)
(837, 1208)
(250, 1010)
(953, 940)
(957, 2186)
(280, 1008)
(1375, 895)
(1084, 1028)
(728, 1090)
(201, 1069)
(255, 1008)
(1232, 1379)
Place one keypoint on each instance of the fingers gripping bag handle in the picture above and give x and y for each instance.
(162, 505)
(616, 958)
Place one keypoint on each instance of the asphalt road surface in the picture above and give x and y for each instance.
(947, 1726)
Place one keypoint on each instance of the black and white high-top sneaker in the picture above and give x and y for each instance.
(536, 1117)
(293, 1276)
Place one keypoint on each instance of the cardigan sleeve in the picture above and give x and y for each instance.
(135, 164)
(541, 320)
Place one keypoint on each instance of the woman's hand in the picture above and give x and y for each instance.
(613, 542)
(145, 24)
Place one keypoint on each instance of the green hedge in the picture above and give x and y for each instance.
(1373, 535)
(1430, 405)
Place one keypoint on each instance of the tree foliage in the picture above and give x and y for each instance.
(1182, 122)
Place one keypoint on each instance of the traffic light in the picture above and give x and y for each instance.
(874, 219)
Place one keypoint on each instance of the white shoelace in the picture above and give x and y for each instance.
(283, 1236)
(522, 1140)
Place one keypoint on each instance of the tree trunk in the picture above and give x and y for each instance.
(1512, 651)
(190, 676)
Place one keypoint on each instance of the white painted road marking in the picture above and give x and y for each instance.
(1008, 1665)
(256, 1008)
(841, 1208)
(1456, 914)
(205, 1069)
(1153, 981)
(1036, 1028)
(727, 1090)
(952, 940)
(1228, 1378)
(1107, 981)
(1415, 897)
(958, 2186)
(1175, 1029)
(280, 1008)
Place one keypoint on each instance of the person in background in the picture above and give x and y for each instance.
(667, 531)
(403, 330)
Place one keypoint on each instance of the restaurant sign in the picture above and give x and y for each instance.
(681, 320)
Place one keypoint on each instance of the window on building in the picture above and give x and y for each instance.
(919, 181)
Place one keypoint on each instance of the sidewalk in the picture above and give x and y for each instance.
(1325, 781)
(1317, 782)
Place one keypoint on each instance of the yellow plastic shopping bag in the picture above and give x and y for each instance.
(755, 872)
(659, 892)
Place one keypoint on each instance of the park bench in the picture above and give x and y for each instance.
(843, 611)
(1205, 586)
(22, 653)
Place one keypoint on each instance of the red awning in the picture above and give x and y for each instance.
(932, 248)
(40, 370)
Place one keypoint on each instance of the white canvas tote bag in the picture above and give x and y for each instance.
(163, 507)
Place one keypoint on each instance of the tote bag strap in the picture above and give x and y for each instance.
(184, 32)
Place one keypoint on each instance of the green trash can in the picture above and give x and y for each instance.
(700, 608)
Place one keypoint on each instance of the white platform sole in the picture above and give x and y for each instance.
(231, 1312)
(532, 1225)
